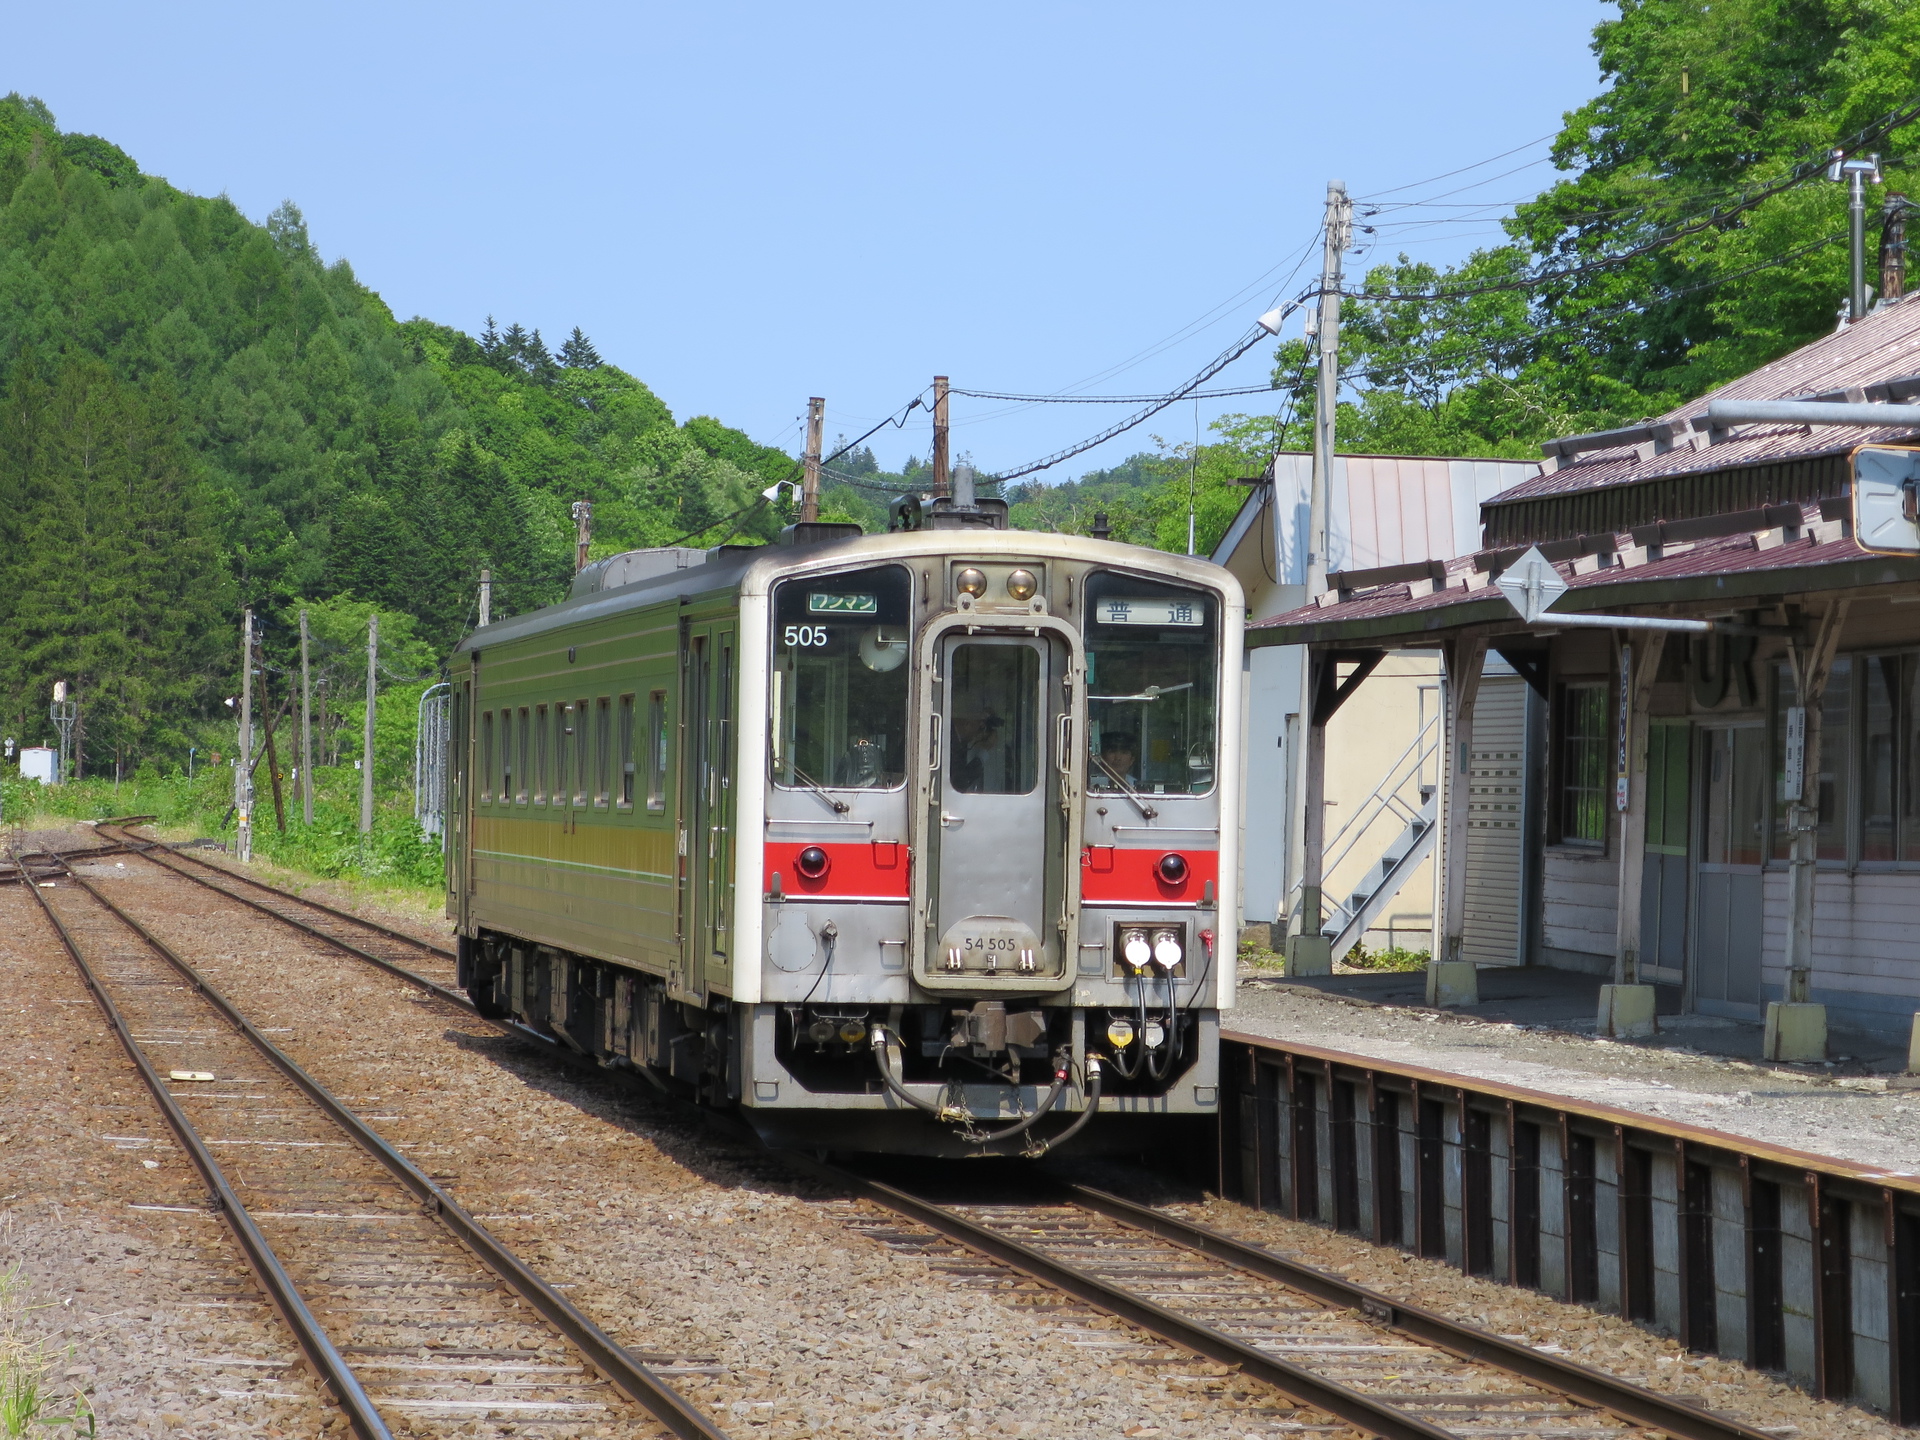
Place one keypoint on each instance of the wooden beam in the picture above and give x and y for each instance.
(1639, 663)
(1465, 659)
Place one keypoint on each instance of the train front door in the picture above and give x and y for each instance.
(994, 875)
(705, 842)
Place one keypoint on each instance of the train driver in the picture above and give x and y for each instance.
(1113, 767)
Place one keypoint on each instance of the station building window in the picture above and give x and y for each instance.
(1869, 772)
(1581, 810)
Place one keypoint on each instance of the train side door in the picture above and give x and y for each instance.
(458, 833)
(705, 840)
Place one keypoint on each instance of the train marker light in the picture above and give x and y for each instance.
(1134, 946)
(1155, 1034)
(1172, 868)
(1119, 1032)
(852, 1032)
(1021, 585)
(813, 862)
(1166, 949)
(971, 582)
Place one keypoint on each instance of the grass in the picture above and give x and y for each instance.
(30, 1401)
(396, 859)
(1392, 958)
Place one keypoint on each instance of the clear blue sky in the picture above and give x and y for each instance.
(749, 204)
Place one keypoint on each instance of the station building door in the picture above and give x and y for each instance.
(1665, 880)
(1732, 843)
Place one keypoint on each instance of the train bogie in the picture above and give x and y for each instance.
(916, 842)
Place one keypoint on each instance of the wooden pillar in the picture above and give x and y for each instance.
(1464, 659)
(1812, 664)
(1639, 663)
(1313, 799)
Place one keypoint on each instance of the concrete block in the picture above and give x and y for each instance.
(1453, 982)
(1626, 1011)
(1795, 1032)
(1309, 955)
(1913, 1047)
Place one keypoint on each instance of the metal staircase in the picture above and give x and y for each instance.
(1393, 809)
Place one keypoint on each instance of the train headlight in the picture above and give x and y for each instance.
(971, 582)
(812, 862)
(1021, 585)
(1166, 949)
(1172, 868)
(1119, 1032)
(1134, 946)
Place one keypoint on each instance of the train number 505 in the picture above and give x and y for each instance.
(806, 635)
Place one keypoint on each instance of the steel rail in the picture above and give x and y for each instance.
(144, 846)
(620, 1367)
(328, 1364)
(1341, 1401)
(155, 853)
(1632, 1403)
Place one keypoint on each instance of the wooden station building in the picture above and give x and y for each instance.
(1661, 828)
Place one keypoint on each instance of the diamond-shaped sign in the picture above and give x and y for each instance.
(1531, 584)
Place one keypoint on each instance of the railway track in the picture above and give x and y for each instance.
(1356, 1357)
(406, 1307)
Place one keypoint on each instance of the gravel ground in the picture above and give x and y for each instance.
(1854, 1118)
(136, 1290)
(676, 1239)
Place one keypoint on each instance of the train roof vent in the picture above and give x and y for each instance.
(820, 532)
(632, 566)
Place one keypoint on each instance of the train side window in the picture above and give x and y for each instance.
(657, 752)
(486, 755)
(562, 750)
(626, 752)
(581, 751)
(603, 753)
(519, 786)
(539, 754)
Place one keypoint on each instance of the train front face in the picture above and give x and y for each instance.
(999, 848)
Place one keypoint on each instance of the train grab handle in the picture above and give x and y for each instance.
(934, 725)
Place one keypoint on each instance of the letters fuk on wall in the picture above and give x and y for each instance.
(1625, 728)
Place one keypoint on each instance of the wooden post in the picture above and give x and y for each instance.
(939, 434)
(1812, 664)
(366, 748)
(243, 772)
(1465, 658)
(810, 486)
(1639, 663)
(306, 724)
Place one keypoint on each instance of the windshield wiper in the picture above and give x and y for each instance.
(840, 807)
(1120, 782)
(1152, 692)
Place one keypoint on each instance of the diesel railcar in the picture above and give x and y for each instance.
(919, 842)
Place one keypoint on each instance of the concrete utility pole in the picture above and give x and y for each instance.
(1307, 952)
(582, 533)
(306, 724)
(939, 434)
(243, 772)
(810, 487)
(486, 597)
(1339, 230)
(1857, 173)
(366, 746)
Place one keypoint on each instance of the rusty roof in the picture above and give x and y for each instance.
(1884, 346)
(1720, 574)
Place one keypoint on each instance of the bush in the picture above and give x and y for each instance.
(1392, 958)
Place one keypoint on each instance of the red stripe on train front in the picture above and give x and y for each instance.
(1111, 876)
(843, 870)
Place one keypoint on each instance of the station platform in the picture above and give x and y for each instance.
(1533, 997)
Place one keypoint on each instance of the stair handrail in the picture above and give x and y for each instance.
(1384, 797)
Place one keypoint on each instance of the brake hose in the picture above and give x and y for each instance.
(883, 1054)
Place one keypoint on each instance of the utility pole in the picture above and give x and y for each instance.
(582, 533)
(1339, 229)
(1893, 247)
(306, 724)
(243, 771)
(810, 487)
(1307, 952)
(939, 434)
(366, 745)
(486, 597)
(1857, 173)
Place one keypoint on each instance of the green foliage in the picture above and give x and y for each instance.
(1394, 957)
(32, 1402)
(197, 411)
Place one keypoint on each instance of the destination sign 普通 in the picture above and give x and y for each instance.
(818, 604)
(1150, 612)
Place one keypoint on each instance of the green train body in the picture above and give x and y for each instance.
(910, 842)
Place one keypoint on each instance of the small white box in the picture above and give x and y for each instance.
(40, 762)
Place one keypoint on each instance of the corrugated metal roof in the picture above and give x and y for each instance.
(1725, 555)
(1883, 346)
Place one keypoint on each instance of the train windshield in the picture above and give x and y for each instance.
(840, 677)
(1151, 661)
